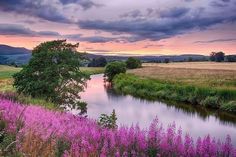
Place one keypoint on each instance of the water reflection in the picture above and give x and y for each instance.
(130, 110)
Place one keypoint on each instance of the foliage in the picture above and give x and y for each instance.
(231, 58)
(156, 89)
(114, 68)
(98, 62)
(166, 60)
(107, 121)
(217, 56)
(230, 106)
(133, 63)
(211, 101)
(85, 137)
(52, 73)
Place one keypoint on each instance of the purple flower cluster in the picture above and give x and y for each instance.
(87, 138)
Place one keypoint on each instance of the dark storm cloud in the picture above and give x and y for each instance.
(155, 29)
(216, 40)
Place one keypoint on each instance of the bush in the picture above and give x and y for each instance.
(211, 101)
(229, 107)
(113, 69)
(133, 63)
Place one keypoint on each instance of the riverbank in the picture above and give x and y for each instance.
(181, 85)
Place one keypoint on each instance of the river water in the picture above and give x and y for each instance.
(130, 110)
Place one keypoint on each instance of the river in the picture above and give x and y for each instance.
(130, 110)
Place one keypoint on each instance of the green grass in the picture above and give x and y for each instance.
(92, 70)
(152, 89)
(7, 71)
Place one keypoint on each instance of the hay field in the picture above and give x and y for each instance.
(206, 74)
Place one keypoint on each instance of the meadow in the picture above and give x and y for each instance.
(192, 83)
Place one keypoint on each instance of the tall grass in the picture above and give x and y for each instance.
(156, 89)
(53, 133)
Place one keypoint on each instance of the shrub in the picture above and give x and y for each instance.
(133, 63)
(230, 106)
(211, 101)
(107, 121)
(113, 69)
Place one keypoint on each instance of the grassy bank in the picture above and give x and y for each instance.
(6, 87)
(222, 99)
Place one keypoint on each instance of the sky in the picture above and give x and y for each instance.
(123, 27)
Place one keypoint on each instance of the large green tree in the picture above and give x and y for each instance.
(53, 73)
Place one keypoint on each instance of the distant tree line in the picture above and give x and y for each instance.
(221, 57)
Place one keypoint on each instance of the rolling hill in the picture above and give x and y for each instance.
(14, 55)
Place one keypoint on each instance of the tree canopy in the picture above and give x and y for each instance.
(53, 74)
(133, 63)
(114, 68)
(217, 56)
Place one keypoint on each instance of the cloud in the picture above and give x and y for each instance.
(216, 40)
(85, 4)
(50, 10)
(220, 3)
(174, 12)
(20, 30)
(133, 14)
(155, 29)
(47, 10)
(13, 29)
(153, 45)
(91, 39)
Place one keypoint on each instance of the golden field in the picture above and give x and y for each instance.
(208, 74)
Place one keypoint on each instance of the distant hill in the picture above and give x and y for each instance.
(14, 55)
